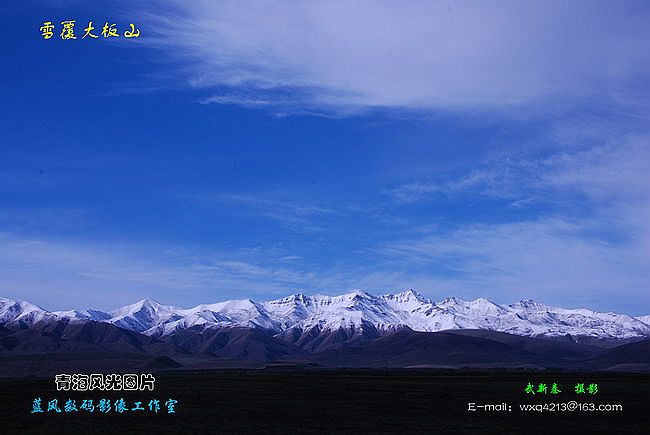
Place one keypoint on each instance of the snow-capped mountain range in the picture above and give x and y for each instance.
(356, 313)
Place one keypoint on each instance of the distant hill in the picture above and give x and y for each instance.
(627, 357)
(353, 330)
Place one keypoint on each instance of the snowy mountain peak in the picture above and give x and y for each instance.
(451, 301)
(530, 304)
(299, 297)
(83, 315)
(480, 308)
(644, 319)
(143, 315)
(358, 294)
(22, 312)
(354, 311)
(144, 304)
(407, 295)
(409, 301)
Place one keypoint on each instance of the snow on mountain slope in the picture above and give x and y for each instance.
(99, 316)
(240, 313)
(158, 320)
(356, 314)
(543, 320)
(644, 319)
(22, 313)
(409, 302)
(143, 315)
(291, 310)
(333, 312)
(318, 322)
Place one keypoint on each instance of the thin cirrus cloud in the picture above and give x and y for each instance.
(548, 259)
(590, 237)
(62, 274)
(421, 190)
(352, 55)
(279, 208)
(615, 171)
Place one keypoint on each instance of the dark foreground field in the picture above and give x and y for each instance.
(342, 401)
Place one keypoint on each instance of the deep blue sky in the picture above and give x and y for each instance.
(235, 152)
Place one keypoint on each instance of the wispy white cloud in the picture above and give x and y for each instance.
(281, 208)
(551, 259)
(65, 273)
(522, 203)
(421, 190)
(614, 170)
(352, 55)
(592, 237)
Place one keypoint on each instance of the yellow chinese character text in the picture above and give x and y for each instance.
(109, 30)
(68, 29)
(133, 33)
(46, 29)
(88, 31)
